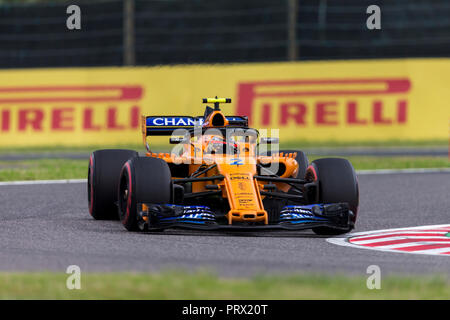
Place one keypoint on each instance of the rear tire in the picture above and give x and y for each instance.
(337, 183)
(142, 180)
(103, 179)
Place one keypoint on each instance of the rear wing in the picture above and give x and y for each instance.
(165, 125)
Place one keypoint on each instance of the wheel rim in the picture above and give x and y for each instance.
(89, 186)
(123, 197)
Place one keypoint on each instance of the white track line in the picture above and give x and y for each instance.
(394, 171)
(40, 182)
(359, 172)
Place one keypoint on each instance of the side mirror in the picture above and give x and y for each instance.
(269, 140)
(178, 140)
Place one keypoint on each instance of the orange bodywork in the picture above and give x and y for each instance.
(238, 186)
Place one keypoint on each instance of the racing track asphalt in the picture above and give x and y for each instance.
(48, 227)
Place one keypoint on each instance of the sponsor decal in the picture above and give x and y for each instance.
(69, 108)
(196, 216)
(236, 162)
(239, 176)
(173, 121)
(431, 240)
(246, 203)
(344, 101)
(297, 215)
(183, 121)
(325, 102)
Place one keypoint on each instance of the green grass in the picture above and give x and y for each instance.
(203, 285)
(43, 169)
(71, 149)
(363, 144)
(371, 163)
(49, 169)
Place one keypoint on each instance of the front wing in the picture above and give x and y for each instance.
(293, 217)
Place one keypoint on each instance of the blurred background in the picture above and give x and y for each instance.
(310, 68)
(148, 32)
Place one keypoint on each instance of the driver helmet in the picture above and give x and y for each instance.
(218, 145)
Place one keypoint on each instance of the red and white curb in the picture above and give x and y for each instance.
(431, 240)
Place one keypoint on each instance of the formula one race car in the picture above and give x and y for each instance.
(220, 175)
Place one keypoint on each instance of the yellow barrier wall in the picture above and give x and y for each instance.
(343, 101)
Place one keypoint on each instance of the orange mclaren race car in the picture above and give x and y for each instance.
(220, 175)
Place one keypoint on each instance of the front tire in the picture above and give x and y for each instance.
(337, 182)
(103, 179)
(142, 180)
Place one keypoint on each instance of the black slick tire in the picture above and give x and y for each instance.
(142, 180)
(103, 180)
(337, 182)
